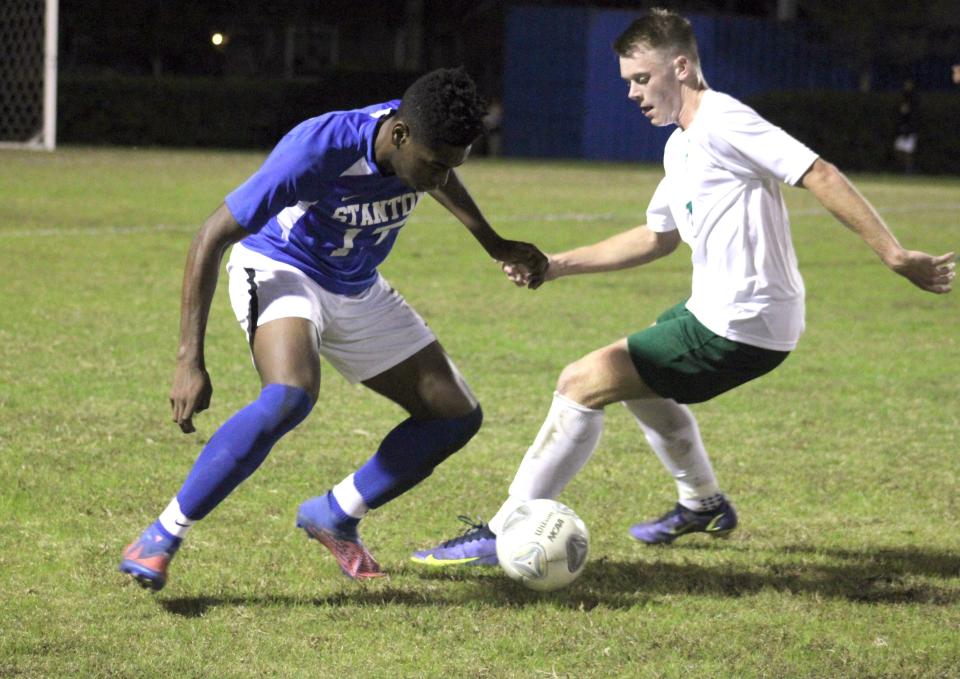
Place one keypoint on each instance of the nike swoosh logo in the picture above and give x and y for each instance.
(431, 560)
(683, 529)
(712, 526)
(182, 525)
(344, 199)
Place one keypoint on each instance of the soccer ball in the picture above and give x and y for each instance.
(543, 544)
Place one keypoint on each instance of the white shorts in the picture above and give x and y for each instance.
(361, 335)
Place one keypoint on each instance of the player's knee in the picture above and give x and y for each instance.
(456, 433)
(247, 438)
(574, 381)
(445, 398)
(286, 406)
(465, 427)
(472, 422)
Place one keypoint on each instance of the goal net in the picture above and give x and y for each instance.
(28, 73)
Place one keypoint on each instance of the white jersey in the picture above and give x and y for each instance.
(722, 192)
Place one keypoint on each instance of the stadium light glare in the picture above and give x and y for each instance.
(218, 39)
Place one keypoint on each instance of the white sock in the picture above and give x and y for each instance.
(349, 498)
(566, 441)
(174, 521)
(671, 430)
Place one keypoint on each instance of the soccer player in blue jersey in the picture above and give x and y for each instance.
(721, 196)
(308, 230)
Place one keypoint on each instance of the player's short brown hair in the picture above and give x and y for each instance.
(660, 29)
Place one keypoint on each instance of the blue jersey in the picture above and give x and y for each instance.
(320, 203)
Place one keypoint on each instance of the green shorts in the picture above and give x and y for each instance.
(680, 358)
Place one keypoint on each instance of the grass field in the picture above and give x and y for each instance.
(843, 463)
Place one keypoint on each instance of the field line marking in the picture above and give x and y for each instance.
(97, 230)
(509, 219)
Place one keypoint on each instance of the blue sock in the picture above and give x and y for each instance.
(409, 454)
(344, 520)
(158, 527)
(236, 450)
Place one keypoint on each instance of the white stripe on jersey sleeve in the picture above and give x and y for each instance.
(288, 217)
(358, 169)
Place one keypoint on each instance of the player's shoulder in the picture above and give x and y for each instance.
(380, 110)
(725, 121)
(724, 110)
(346, 131)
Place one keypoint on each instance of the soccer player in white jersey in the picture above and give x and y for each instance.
(308, 230)
(721, 196)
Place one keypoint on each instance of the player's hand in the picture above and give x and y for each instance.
(934, 274)
(518, 275)
(190, 394)
(527, 264)
(521, 277)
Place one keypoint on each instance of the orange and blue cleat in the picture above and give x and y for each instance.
(146, 559)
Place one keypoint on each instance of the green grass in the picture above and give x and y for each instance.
(843, 462)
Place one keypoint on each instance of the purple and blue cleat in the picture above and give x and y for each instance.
(146, 559)
(679, 521)
(316, 518)
(476, 546)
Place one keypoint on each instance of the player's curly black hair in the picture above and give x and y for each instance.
(443, 107)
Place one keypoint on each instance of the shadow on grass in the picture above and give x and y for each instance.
(871, 576)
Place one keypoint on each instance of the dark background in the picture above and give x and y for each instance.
(145, 72)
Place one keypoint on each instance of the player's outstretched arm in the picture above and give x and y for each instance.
(191, 388)
(634, 247)
(526, 257)
(841, 198)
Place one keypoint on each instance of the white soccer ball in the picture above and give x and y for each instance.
(543, 544)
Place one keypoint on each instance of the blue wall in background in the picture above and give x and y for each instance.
(563, 96)
(545, 82)
(614, 128)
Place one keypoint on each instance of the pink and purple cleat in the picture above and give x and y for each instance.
(316, 518)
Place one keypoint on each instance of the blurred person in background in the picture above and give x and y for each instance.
(905, 143)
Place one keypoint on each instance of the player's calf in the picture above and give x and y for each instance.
(409, 454)
(233, 453)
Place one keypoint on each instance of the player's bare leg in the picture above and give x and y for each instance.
(427, 385)
(286, 351)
